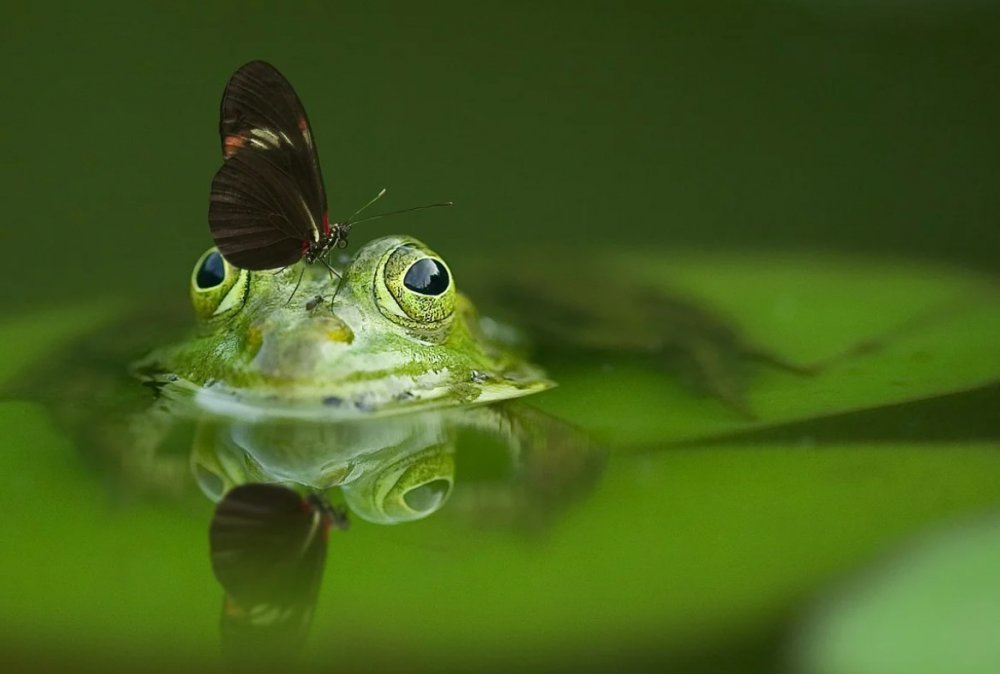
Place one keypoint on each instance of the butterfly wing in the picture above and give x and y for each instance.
(268, 197)
(268, 550)
(257, 214)
(268, 544)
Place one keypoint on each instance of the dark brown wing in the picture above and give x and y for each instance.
(268, 548)
(258, 216)
(261, 117)
(268, 545)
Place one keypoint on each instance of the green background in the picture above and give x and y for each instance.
(846, 124)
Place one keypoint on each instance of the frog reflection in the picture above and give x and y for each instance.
(403, 468)
(269, 543)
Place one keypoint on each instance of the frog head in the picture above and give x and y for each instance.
(387, 332)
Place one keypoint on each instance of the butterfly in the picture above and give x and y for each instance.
(268, 549)
(268, 206)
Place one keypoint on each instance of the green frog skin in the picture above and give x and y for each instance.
(391, 334)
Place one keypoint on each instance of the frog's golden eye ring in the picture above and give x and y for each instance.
(217, 287)
(421, 290)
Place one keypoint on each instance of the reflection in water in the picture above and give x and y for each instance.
(518, 468)
(402, 468)
(268, 550)
(390, 470)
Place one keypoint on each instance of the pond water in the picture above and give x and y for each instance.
(754, 246)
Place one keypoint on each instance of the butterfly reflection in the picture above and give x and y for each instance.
(268, 549)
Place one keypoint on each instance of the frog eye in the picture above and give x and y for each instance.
(217, 287)
(427, 276)
(211, 272)
(421, 289)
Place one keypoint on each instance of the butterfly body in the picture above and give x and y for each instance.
(331, 236)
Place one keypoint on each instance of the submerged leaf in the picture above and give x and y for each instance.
(876, 332)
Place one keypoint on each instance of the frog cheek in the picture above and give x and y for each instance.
(407, 490)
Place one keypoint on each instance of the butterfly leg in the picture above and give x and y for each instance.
(333, 271)
(296, 288)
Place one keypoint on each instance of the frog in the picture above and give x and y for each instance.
(364, 378)
(388, 333)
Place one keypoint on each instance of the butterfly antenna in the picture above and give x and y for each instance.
(372, 201)
(404, 210)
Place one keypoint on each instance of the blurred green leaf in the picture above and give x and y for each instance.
(934, 606)
(882, 332)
